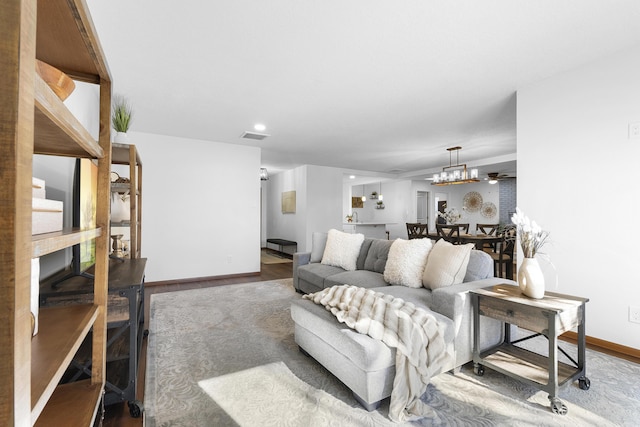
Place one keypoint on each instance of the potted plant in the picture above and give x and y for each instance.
(121, 115)
(349, 218)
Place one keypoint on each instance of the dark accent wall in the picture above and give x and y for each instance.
(508, 200)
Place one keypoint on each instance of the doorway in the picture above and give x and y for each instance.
(422, 207)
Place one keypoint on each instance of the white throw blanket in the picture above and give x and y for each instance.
(414, 332)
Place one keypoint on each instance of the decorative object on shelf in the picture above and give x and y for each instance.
(451, 215)
(374, 195)
(349, 218)
(61, 84)
(121, 116)
(264, 174)
(532, 238)
(35, 294)
(117, 247)
(458, 174)
(488, 210)
(472, 201)
(380, 204)
(120, 207)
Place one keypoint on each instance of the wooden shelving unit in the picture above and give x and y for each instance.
(34, 120)
(127, 154)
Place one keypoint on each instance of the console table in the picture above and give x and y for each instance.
(550, 316)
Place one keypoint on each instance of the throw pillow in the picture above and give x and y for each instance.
(406, 262)
(342, 249)
(446, 265)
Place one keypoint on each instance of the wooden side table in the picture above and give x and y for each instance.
(550, 316)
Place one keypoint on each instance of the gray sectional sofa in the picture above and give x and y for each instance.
(366, 365)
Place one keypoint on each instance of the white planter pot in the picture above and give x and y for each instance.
(121, 138)
(531, 279)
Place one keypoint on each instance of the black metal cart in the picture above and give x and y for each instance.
(125, 328)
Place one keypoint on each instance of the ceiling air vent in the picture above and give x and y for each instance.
(254, 135)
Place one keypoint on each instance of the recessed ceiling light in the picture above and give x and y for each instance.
(352, 177)
(259, 127)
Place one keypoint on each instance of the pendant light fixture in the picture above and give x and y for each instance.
(458, 174)
(380, 192)
(364, 198)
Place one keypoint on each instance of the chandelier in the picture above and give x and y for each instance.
(455, 174)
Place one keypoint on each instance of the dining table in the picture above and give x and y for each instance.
(478, 239)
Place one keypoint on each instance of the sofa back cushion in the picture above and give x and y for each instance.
(364, 250)
(377, 255)
(480, 266)
(318, 242)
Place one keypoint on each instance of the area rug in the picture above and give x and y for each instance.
(267, 258)
(226, 356)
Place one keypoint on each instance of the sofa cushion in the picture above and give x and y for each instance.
(421, 297)
(342, 249)
(406, 261)
(480, 266)
(377, 255)
(318, 242)
(446, 265)
(316, 273)
(362, 278)
(364, 250)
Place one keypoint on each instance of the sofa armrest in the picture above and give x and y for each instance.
(299, 258)
(455, 303)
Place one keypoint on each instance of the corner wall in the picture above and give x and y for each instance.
(200, 207)
(577, 177)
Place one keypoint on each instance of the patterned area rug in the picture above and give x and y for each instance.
(225, 356)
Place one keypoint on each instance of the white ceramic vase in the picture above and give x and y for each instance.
(531, 279)
(121, 138)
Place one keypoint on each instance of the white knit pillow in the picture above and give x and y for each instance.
(406, 261)
(446, 265)
(342, 249)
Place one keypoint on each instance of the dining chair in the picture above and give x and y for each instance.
(489, 230)
(503, 255)
(417, 231)
(464, 228)
(449, 232)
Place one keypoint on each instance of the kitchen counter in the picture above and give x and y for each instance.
(376, 230)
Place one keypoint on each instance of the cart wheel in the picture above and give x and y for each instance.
(558, 407)
(135, 408)
(584, 383)
(478, 369)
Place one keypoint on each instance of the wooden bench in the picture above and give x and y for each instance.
(281, 243)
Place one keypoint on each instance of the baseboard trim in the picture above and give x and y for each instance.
(200, 279)
(628, 353)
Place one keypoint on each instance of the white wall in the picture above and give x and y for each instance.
(577, 176)
(318, 203)
(200, 207)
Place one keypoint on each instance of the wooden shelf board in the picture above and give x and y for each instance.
(47, 243)
(526, 364)
(67, 39)
(60, 333)
(120, 154)
(73, 404)
(56, 130)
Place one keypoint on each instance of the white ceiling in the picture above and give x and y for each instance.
(371, 85)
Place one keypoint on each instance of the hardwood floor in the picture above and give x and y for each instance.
(117, 415)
